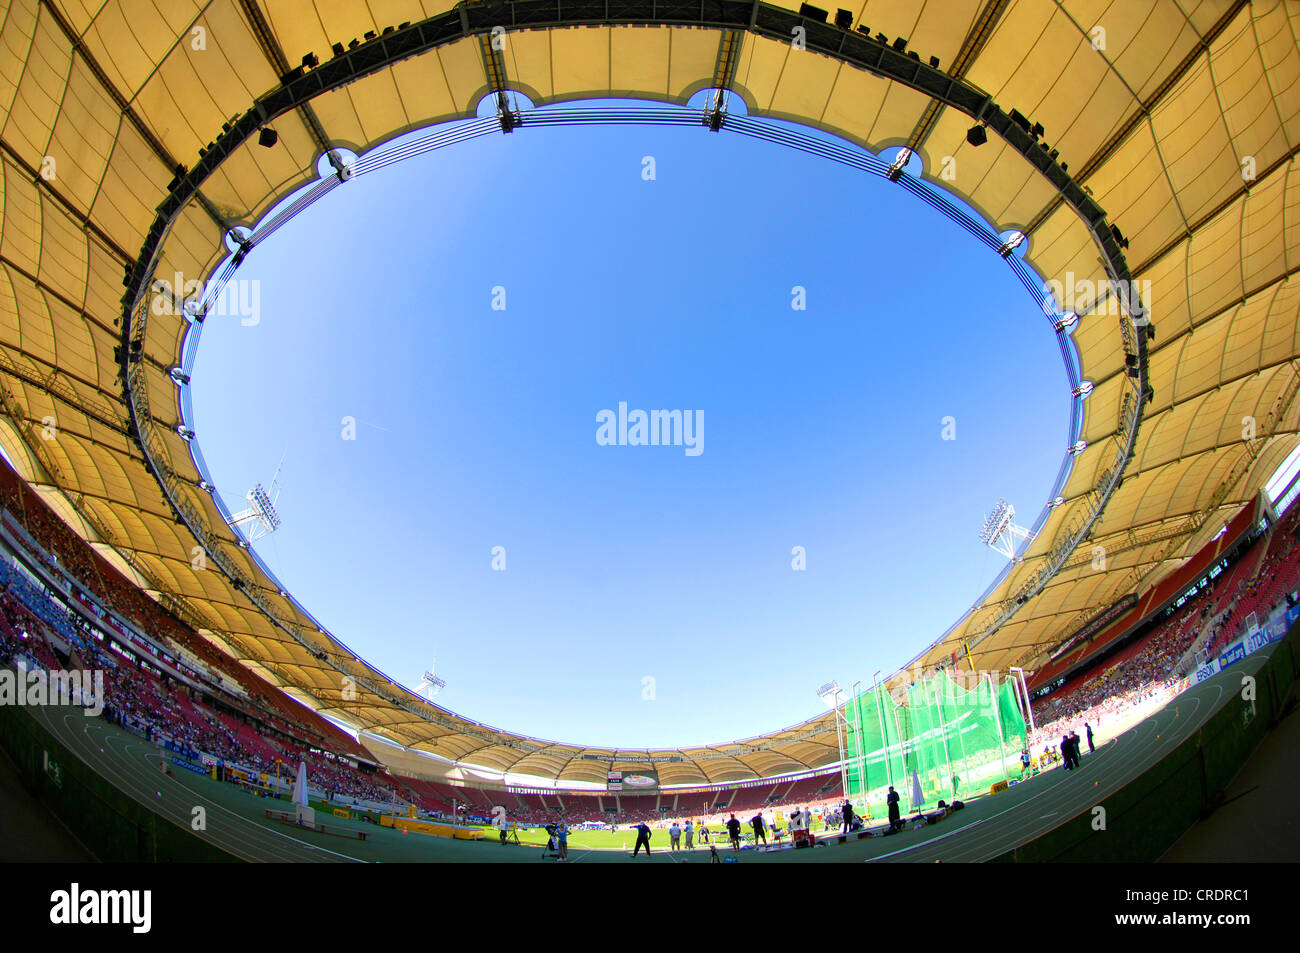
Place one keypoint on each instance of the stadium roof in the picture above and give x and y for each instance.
(130, 148)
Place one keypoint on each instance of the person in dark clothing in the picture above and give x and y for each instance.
(760, 829)
(944, 810)
(1088, 729)
(895, 817)
(1066, 756)
(1075, 741)
(846, 812)
(642, 839)
(733, 831)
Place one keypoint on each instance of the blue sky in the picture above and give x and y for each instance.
(476, 428)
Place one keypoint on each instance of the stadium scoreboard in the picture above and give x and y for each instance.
(632, 781)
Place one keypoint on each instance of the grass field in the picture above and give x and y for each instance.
(622, 839)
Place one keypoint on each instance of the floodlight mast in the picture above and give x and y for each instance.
(431, 683)
(261, 519)
(1001, 532)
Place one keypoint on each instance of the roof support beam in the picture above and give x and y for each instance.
(60, 296)
(724, 70)
(970, 48)
(124, 105)
(1098, 158)
(275, 56)
(81, 217)
(52, 385)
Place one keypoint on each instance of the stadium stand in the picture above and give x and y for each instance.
(1261, 580)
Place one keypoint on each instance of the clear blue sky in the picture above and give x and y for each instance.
(476, 428)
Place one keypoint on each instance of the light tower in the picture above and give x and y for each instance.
(261, 518)
(831, 694)
(431, 682)
(1001, 532)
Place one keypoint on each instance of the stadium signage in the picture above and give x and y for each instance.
(1232, 655)
(38, 688)
(1251, 644)
(655, 428)
(101, 907)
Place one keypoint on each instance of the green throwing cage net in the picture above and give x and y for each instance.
(961, 734)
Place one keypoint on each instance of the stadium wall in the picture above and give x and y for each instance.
(1146, 817)
(112, 825)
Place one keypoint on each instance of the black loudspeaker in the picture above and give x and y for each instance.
(844, 19)
(809, 12)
